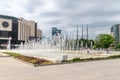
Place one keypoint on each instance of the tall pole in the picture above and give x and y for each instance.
(82, 38)
(87, 36)
(77, 33)
(82, 31)
(77, 36)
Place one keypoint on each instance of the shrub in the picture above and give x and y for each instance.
(114, 56)
(91, 59)
(76, 59)
(12, 54)
(87, 59)
(33, 61)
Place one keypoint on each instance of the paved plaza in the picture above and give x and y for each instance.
(12, 69)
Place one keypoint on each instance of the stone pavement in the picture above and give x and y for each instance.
(3, 55)
(11, 69)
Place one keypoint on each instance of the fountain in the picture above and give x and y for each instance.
(9, 43)
(55, 50)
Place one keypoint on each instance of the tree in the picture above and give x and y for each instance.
(104, 41)
(85, 41)
(118, 46)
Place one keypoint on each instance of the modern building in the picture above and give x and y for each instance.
(55, 31)
(18, 29)
(56, 35)
(115, 32)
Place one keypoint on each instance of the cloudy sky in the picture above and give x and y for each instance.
(99, 15)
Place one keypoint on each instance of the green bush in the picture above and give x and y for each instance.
(76, 59)
(114, 56)
(87, 59)
(92, 59)
(32, 61)
(118, 46)
(12, 54)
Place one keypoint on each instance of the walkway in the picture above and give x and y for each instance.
(11, 69)
(3, 55)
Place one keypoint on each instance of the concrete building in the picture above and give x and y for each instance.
(39, 33)
(19, 29)
(115, 32)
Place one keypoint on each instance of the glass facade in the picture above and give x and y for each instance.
(4, 34)
(55, 31)
(115, 32)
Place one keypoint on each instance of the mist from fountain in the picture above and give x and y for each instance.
(54, 48)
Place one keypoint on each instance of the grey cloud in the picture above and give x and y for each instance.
(33, 4)
(51, 14)
(55, 22)
(97, 14)
(68, 4)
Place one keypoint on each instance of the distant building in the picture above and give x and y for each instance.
(115, 32)
(55, 31)
(19, 29)
(39, 33)
(56, 34)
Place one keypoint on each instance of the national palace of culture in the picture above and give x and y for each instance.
(18, 29)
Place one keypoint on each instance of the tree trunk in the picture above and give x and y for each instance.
(107, 50)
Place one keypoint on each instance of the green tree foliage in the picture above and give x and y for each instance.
(118, 46)
(88, 42)
(103, 41)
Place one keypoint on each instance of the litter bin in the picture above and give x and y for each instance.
(64, 57)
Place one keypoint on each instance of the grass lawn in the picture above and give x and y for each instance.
(33, 60)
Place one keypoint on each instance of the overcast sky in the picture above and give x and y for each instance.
(100, 15)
